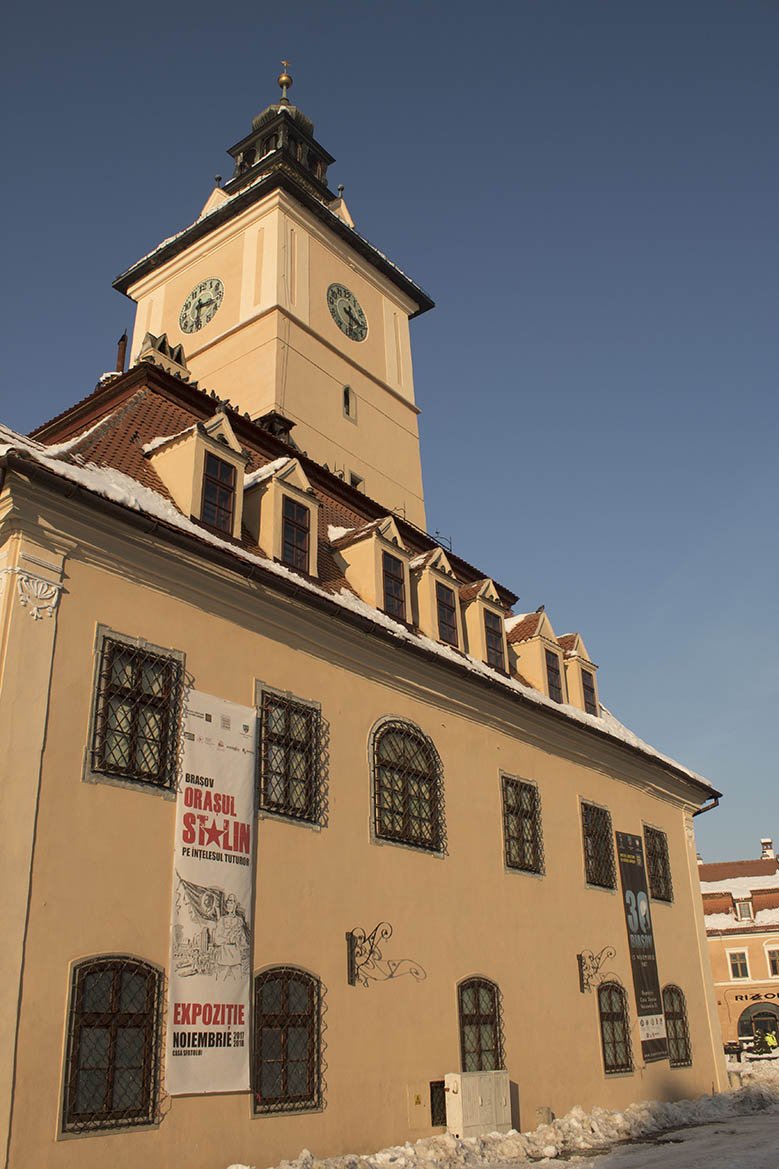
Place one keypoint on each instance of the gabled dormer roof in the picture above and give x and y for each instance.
(523, 626)
(386, 528)
(436, 559)
(285, 470)
(572, 645)
(480, 588)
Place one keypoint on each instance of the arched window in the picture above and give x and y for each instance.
(407, 786)
(614, 1028)
(675, 1008)
(287, 1061)
(758, 1019)
(112, 1061)
(481, 1043)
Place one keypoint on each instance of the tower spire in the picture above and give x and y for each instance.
(284, 80)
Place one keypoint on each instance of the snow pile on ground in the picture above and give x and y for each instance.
(578, 1131)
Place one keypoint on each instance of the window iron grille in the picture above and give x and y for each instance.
(614, 1028)
(138, 703)
(599, 865)
(677, 1029)
(295, 536)
(481, 1026)
(658, 864)
(773, 963)
(113, 1045)
(554, 676)
(287, 1058)
(293, 759)
(522, 833)
(493, 633)
(218, 493)
(438, 1103)
(408, 787)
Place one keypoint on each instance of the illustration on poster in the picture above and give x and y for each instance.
(219, 945)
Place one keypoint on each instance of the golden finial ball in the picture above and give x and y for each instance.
(284, 80)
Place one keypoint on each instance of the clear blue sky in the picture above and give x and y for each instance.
(587, 188)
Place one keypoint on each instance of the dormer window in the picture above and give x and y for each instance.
(295, 538)
(744, 909)
(218, 494)
(394, 586)
(493, 634)
(554, 676)
(588, 691)
(447, 614)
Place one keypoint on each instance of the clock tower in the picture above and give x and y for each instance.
(283, 308)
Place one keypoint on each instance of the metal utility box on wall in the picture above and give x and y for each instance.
(477, 1103)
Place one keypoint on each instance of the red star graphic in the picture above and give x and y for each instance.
(213, 835)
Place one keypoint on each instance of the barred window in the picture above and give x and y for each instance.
(481, 1041)
(296, 527)
(493, 632)
(658, 864)
(588, 690)
(773, 963)
(394, 586)
(614, 1028)
(407, 783)
(290, 758)
(218, 493)
(522, 826)
(675, 1008)
(287, 1058)
(554, 676)
(137, 710)
(598, 839)
(437, 1103)
(112, 1061)
(447, 614)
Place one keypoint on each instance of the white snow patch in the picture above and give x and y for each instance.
(728, 921)
(335, 533)
(576, 1132)
(741, 886)
(151, 446)
(515, 619)
(121, 489)
(266, 472)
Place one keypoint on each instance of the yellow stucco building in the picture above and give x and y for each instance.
(741, 912)
(437, 886)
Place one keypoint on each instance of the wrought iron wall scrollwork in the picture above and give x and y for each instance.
(366, 962)
(590, 965)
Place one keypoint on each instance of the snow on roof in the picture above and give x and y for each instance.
(335, 533)
(728, 921)
(121, 489)
(265, 472)
(149, 447)
(741, 886)
(514, 619)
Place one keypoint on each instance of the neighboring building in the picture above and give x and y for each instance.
(741, 908)
(427, 760)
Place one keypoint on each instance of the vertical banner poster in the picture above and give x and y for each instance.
(641, 943)
(207, 1040)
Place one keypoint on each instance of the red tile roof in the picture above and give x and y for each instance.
(526, 628)
(724, 870)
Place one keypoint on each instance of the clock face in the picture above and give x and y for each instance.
(346, 312)
(201, 305)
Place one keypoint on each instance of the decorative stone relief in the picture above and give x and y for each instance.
(36, 594)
